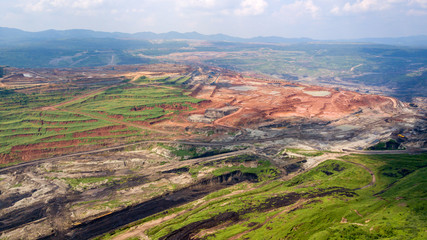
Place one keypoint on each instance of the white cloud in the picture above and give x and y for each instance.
(361, 6)
(251, 7)
(39, 6)
(366, 5)
(50, 5)
(421, 3)
(313, 18)
(301, 8)
(336, 10)
(416, 12)
(196, 3)
(85, 4)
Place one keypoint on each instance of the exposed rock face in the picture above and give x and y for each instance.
(216, 113)
(212, 114)
(200, 118)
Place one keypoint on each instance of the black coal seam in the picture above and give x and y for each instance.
(186, 232)
(130, 214)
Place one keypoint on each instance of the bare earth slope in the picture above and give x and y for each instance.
(173, 134)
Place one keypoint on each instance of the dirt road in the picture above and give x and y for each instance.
(311, 162)
(37, 162)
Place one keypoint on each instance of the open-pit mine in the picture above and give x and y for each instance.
(138, 152)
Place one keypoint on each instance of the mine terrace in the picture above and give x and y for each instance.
(171, 102)
(89, 150)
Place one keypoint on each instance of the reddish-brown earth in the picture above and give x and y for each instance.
(21, 135)
(102, 132)
(53, 137)
(41, 122)
(45, 149)
(34, 153)
(44, 145)
(40, 150)
(55, 129)
(5, 158)
(256, 101)
(266, 101)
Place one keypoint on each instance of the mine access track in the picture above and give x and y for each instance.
(36, 162)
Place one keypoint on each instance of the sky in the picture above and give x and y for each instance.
(318, 19)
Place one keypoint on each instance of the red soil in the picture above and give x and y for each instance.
(260, 101)
(53, 137)
(142, 123)
(22, 135)
(43, 145)
(5, 158)
(102, 132)
(119, 117)
(166, 107)
(141, 108)
(55, 129)
(42, 122)
(31, 154)
(196, 90)
(48, 149)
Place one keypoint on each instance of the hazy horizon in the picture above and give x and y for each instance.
(317, 19)
(219, 33)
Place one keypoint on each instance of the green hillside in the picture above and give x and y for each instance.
(333, 201)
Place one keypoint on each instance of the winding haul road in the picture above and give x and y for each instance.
(40, 161)
(218, 144)
(128, 215)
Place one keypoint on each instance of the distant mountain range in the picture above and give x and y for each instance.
(12, 36)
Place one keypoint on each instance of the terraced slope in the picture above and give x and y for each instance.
(39, 122)
(328, 202)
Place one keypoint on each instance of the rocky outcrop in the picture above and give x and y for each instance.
(217, 113)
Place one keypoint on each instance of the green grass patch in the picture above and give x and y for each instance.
(182, 80)
(146, 80)
(76, 183)
(264, 170)
(308, 153)
(389, 145)
(22, 124)
(393, 208)
(112, 204)
(137, 103)
(3, 165)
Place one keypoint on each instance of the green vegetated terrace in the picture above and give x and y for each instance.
(307, 153)
(168, 80)
(22, 121)
(96, 119)
(135, 102)
(190, 152)
(326, 202)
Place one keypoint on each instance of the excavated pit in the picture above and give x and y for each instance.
(236, 111)
(120, 218)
